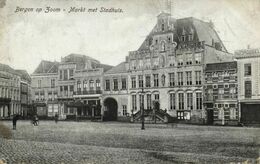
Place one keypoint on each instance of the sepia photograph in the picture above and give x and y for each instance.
(129, 81)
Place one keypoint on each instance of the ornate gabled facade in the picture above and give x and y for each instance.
(220, 93)
(169, 67)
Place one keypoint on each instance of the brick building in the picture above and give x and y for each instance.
(220, 94)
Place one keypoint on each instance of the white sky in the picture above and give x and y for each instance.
(28, 38)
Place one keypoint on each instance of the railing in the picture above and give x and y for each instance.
(89, 92)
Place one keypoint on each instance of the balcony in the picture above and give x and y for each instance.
(87, 92)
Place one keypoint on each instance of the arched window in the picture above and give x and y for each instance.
(163, 46)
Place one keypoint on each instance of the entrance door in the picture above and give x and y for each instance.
(110, 114)
(210, 116)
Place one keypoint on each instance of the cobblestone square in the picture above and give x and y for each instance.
(113, 142)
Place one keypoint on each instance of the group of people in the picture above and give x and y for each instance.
(35, 120)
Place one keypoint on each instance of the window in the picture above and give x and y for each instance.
(149, 101)
(71, 88)
(61, 88)
(162, 27)
(98, 85)
(190, 37)
(180, 115)
(115, 81)
(148, 81)
(123, 84)
(70, 73)
(133, 79)
(171, 79)
(66, 90)
(189, 59)
(163, 47)
(198, 77)
(181, 101)
(65, 74)
(232, 113)
(78, 86)
(91, 85)
(199, 100)
(60, 74)
(198, 58)
(189, 78)
(156, 80)
(247, 68)
(248, 89)
(85, 85)
(140, 80)
(107, 85)
(134, 103)
(172, 101)
(156, 97)
(183, 38)
(124, 110)
(52, 83)
(189, 101)
(141, 101)
(180, 78)
(39, 83)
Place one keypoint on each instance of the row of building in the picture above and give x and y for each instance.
(182, 70)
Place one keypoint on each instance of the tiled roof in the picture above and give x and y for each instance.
(203, 31)
(120, 68)
(221, 66)
(24, 75)
(6, 68)
(46, 67)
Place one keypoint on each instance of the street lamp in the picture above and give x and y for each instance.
(142, 101)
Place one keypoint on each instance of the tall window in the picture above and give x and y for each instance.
(39, 83)
(180, 78)
(198, 100)
(147, 81)
(98, 85)
(60, 74)
(52, 83)
(85, 85)
(198, 77)
(140, 80)
(189, 101)
(162, 27)
(70, 73)
(248, 89)
(66, 90)
(133, 79)
(65, 74)
(124, 110)
(78, 86)
(247, 68)
(149, 101)
(172, 101)
(123, 84)
(134, 103)
(91, 85)
(156, 80)
(181, 101)
(71, 88)
(107, 85)
(141, 99)
(156, 97)
(189, 78)
(115, 81)
(198, 58)
(171, 79)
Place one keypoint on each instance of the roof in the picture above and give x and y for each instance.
(77, 58)
(120, 68)
(24, 75)
(7, 68)
(203, 31)
(221, 66)
(46, 67)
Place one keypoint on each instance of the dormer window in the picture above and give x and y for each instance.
(162, 27)
(163, 47)
(183, 38)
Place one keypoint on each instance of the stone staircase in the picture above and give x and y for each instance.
(152, 116)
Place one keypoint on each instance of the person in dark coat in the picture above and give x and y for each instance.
(56, 117)
(15, 118)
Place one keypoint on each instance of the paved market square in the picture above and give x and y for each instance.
(114, 142)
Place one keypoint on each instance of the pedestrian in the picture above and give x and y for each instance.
(56, 117)
(15, 118)
(35, 120)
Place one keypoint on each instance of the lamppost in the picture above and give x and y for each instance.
(142, 101)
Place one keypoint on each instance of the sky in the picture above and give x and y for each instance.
(27, 38)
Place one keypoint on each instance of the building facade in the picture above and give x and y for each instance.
(220, 93)
(248, 63)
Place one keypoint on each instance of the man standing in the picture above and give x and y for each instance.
(15, 118)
